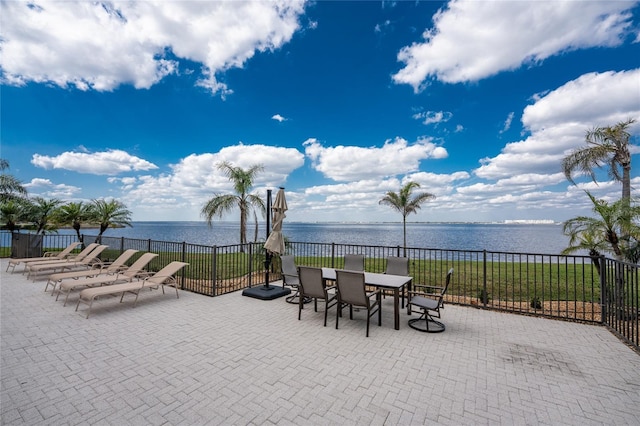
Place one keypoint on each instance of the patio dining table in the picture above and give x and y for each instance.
(383, 281)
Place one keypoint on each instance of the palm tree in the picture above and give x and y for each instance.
(74, 214)
(10, 214)
(615, 228)
(41, 212)
(405, 203)
(10, 187)
(243, 200)
(109, 214)
(585, 239)
(605, 145)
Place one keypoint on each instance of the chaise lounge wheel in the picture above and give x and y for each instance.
(426, 326)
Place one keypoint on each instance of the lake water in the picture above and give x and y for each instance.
(547, 239)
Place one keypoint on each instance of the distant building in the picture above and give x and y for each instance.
(529, 222)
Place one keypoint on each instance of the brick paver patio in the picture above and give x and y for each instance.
(233, 360)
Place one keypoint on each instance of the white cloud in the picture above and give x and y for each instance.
(47, 189)
(433, 117)
(559, 119)
(111, 162)
(278, 118)
(395, 157)
(594, 99)
(196, 178)
(521, 183)
(379, 28)
(99, 46)
(507, 123)
(472, 40)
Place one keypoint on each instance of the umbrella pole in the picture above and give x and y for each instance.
(266, 292)
(267, 259)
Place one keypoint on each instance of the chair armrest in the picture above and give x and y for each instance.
(424, 294)
(95, 263)
(374, 292)
(144, 274)
(99, 264)
(427, 286)
(165, 278)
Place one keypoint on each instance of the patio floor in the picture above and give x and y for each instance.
(236, 360)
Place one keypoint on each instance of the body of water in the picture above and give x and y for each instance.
(547, 239)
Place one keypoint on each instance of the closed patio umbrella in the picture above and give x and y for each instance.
(273, 245)
(275, 241)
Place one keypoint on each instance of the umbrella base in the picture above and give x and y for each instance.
(266, 293)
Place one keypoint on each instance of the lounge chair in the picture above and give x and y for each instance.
(78, 257)
(98, 268)
(71, 264)
(136, 270)
(50, 255)
(162, 278)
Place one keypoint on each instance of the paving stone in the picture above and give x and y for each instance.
(237, 360)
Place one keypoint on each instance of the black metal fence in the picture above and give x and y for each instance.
(548, 285)
(620, 299)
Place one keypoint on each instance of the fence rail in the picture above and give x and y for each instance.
(575, 288)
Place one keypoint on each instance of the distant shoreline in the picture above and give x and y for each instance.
(505, 222)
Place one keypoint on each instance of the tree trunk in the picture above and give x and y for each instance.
(626, 182)
(404, 234)
(243, 225)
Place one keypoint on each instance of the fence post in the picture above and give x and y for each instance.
(149, 245)
(250, 281)
(121, 244)
(484, 295)
(603, 290)
(333, 254)
(398, 251)
(214, 270)
(184, 258)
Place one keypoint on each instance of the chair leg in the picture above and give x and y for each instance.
(368, 317)
(430, 325)
(299, 308)
(326, 309)
(292, 298)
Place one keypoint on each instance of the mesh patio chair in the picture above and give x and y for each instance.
(397, 266)
(428, 301)
(290, 277)
(354, 262)
(313, 286)
(352, 292)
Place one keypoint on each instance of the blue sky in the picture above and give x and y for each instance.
(477, 101)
